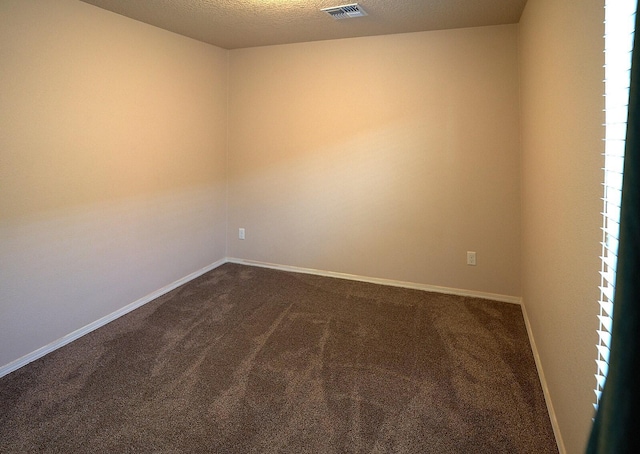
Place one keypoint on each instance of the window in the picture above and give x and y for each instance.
(619, 30)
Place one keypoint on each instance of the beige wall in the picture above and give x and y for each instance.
(386, 156)
(112, 175)
(561, 78)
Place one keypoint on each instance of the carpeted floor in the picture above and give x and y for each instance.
(251, 360)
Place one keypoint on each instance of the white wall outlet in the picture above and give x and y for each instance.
(471, 258)
(241, 233)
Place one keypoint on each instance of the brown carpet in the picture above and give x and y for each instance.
(251, 360)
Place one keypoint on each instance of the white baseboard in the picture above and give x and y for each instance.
(375, 280)
(543, 381)
(20, 362)
(23, 361)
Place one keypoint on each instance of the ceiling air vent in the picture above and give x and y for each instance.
(345, 11)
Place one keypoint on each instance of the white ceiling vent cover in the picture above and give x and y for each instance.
(345, 11)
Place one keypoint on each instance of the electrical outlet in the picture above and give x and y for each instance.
(241, 233)
(471, 258)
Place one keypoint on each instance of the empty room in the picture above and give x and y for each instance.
(298, 226)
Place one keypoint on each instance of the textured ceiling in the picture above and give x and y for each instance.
(233, 24)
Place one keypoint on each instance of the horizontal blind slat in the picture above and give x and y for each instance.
(619, 28)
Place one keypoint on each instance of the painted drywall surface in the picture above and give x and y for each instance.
(561, 71)
(112, 150)
(385, 156)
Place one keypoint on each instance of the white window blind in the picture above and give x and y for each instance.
(619, 31)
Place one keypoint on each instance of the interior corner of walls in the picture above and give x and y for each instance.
(227, 152)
